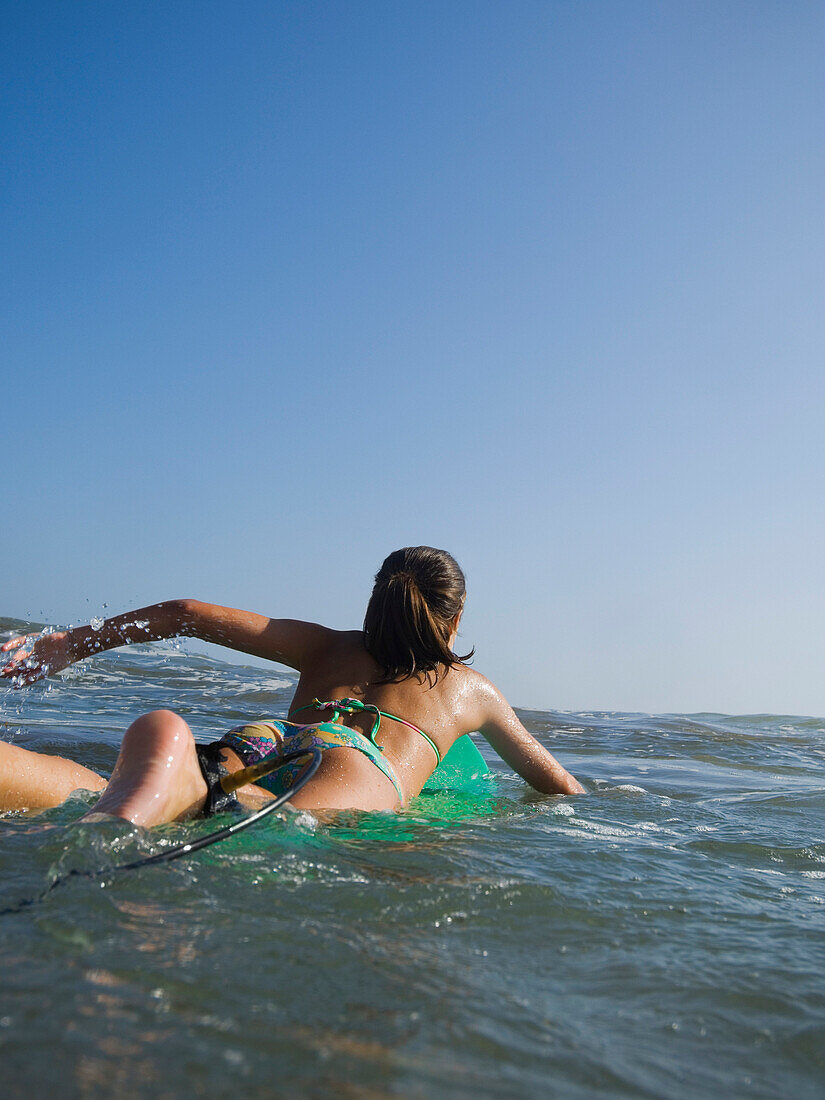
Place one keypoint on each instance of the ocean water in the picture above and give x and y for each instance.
(661, 936)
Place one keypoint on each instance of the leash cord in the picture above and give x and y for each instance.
(193, 845)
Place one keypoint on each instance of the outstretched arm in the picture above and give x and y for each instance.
(515, 745)
(288, 641)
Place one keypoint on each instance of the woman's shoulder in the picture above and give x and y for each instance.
(471, 679)
(470, 694)
(340, 654)
(329, 640)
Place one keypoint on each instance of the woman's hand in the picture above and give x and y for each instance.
(37, 655)
(40, 655)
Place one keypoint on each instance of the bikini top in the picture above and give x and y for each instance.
(355, 706)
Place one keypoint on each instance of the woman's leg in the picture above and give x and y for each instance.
(35, 781)
(157, 777)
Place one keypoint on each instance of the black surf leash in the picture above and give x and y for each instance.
(229, 783)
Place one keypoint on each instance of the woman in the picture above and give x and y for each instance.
(384, 704)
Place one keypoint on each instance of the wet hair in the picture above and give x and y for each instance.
(417, 594)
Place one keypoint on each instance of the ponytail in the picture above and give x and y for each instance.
(418, 593)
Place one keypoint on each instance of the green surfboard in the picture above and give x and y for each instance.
(459, 769)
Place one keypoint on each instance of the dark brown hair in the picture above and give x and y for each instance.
(418, 593)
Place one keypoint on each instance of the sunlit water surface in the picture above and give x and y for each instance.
(661, 936)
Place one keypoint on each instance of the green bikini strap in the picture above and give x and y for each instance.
(426, 736)
(351, 706)
(348, 706)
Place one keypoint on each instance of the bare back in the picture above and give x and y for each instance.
(445, 708)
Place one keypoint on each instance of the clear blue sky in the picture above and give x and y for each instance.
(288, 285)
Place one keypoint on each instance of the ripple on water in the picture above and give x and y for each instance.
(661, 936)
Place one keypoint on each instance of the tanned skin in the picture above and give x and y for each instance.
(157, 777)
